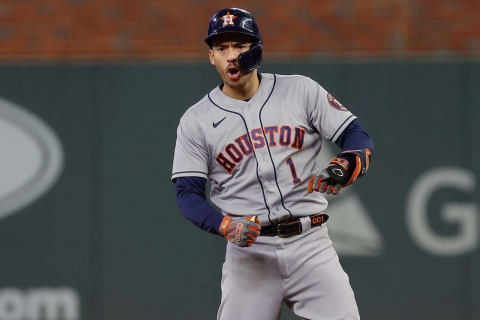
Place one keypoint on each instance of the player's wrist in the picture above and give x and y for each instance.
(222, 229)
(359, 161)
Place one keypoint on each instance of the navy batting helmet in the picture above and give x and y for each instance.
(235, 20)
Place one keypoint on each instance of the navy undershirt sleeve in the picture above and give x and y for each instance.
(193, 203)
(354, 137)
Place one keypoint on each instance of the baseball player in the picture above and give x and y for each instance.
(255, 138)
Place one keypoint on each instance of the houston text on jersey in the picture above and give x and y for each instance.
(243, 146)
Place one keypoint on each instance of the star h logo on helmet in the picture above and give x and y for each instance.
(228, 19)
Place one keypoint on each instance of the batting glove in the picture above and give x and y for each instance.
(340, 172)
(330, 179)
(240, 230)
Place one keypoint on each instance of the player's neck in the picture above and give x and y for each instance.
(245, 92)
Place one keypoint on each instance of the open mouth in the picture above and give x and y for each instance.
(233, 72)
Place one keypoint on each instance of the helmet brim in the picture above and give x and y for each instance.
(210, 38)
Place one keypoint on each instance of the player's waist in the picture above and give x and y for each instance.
(294, 226)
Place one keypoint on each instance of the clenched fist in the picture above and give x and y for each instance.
(240, 230)
(330, 179)
(342, 170)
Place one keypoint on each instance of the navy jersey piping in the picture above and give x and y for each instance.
(268, 148)
(189, 172)
(178, 172)
(341, 126)
(256, 160)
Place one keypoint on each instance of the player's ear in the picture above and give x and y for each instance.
(210, 56)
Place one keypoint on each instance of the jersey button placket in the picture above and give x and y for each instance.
(251, 119)
(268, 187)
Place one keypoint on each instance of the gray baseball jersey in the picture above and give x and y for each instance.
(259, 154)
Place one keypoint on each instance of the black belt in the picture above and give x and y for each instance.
(292, 227)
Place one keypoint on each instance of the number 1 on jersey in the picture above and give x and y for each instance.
(296, 179)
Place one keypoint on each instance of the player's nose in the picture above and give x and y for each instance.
(232, 54)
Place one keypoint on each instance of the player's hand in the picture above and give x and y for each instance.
(332, 178)
(342, 171)
(243, 231)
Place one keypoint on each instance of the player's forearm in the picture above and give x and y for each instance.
(354, 137)
(194, 206)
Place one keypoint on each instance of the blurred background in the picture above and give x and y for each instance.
(91, 93)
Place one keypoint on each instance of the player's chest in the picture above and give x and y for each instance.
(239, 132)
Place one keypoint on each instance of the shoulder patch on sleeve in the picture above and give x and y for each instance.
(335, 103)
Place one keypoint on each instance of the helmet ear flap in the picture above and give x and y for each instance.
(252, 58)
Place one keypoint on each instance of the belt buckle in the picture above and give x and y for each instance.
(283, 227)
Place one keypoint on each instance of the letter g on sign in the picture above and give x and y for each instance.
(463, 214)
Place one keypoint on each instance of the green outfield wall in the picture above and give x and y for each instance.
(89, 227)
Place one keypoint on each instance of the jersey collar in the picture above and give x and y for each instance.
(258, 98)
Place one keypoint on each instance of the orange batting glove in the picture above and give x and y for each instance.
(340, 172)
(240, 230)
